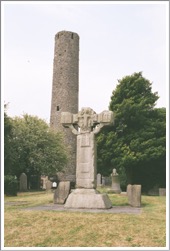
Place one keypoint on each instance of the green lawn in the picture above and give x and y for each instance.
(25, 228)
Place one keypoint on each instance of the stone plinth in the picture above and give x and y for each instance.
(88, 198)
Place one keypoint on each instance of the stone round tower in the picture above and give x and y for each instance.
(65, 90)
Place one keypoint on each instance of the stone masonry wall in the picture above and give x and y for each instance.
(65, 91)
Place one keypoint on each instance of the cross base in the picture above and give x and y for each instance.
(87, 198)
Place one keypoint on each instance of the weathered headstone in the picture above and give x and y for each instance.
(43, 181)
(62, 192)
(134, 195)
(108, 181)
(115, 188)
(99, 180)
(103, 181)
(23, 182)
(162, 191)
(89, 123)
(48, 185)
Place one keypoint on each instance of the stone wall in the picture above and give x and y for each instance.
(65, 91)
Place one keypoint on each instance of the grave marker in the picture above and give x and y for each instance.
(134, 195)
(23, 182)
(62, 192)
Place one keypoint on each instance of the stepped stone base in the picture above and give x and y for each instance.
(87, 198)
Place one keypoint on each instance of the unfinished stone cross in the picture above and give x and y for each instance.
(85, 125)
(87, 120)
(89, 123)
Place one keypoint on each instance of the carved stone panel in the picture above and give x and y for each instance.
(86, 164)
(106, 117)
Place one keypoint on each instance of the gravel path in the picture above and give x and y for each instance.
(114, 209)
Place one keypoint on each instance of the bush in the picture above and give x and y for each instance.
(10, 185)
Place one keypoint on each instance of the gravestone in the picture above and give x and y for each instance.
(89, 123)
(162, 191)
(103, 181)
(108, 181)
(99, 180)
(115, 182)
(134, 195)
(43, 181)
(62, 192)
(23, 182)
(48, 185)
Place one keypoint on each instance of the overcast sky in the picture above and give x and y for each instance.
(116, 39)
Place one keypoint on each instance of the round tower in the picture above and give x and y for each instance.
(65, 90)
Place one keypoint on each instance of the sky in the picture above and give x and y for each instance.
(116, 40)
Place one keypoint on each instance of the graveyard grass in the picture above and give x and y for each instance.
(26, 228)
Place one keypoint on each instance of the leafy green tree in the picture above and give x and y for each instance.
(10, 185)
(136, 144)
(38, 149)
(8, 150)
(132, 101)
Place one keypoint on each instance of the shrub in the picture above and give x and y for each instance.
(10, 185)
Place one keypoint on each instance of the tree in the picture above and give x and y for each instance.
(136, 143)
(8, 150)
(133, 101)
(37, 149)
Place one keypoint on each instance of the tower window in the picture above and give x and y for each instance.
(58, 108)
(58, 36)
(72, 35)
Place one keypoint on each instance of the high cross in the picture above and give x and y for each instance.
(89, 123)
(87, 120)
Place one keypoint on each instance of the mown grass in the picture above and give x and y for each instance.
(26, 228)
